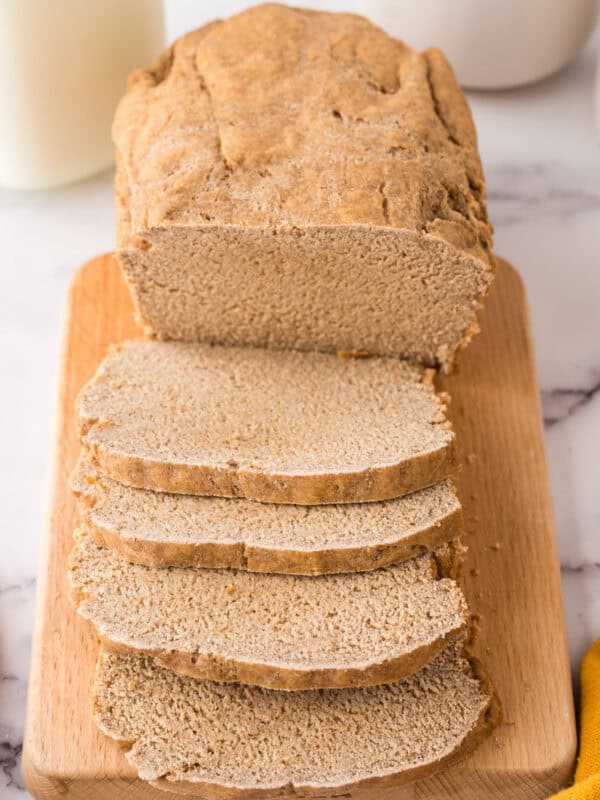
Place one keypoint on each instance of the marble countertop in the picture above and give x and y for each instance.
(542, 161)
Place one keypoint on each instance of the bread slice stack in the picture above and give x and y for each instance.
(270, 540)
(339, 611)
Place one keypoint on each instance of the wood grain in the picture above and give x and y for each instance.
(512, 576)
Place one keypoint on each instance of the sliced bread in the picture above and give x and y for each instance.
(158, 529)
(275, 426)
(237, 742)
(278, 631)
(320, 189)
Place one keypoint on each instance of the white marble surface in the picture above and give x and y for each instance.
(542, 160)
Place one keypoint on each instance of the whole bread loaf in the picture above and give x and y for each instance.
(237, 742)
(292, 178)
(158, 529)
(279, 631)
(271, 425)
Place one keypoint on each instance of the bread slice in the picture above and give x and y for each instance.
(163, 530)
(237, 742)
(289, 178)
(275, 426)
(278, 631)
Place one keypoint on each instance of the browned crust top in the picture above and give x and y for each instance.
(320, 119)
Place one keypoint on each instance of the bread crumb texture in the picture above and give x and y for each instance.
(284, 631)
(301, 179)
(248, 739)
(279, 426)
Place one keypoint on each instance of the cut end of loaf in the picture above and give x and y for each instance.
(401, 295)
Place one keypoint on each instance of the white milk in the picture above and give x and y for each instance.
(63, 68)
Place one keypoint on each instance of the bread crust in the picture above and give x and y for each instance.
(376, 483)
(99, 497)
(224, 670)
(224, 160)
(215, 555)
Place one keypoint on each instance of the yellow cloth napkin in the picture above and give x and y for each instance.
(587, 774)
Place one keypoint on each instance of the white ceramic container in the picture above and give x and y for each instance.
(492, 44)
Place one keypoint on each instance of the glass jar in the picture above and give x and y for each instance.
(63, 67)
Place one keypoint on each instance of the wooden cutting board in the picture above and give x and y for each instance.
(512, 574)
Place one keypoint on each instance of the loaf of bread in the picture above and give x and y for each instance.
(291, 178)
(158, 529)
(278, 631)
(237, 742)
(301, 219)
(270, 425)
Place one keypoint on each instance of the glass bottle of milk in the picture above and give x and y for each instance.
(63, 67)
